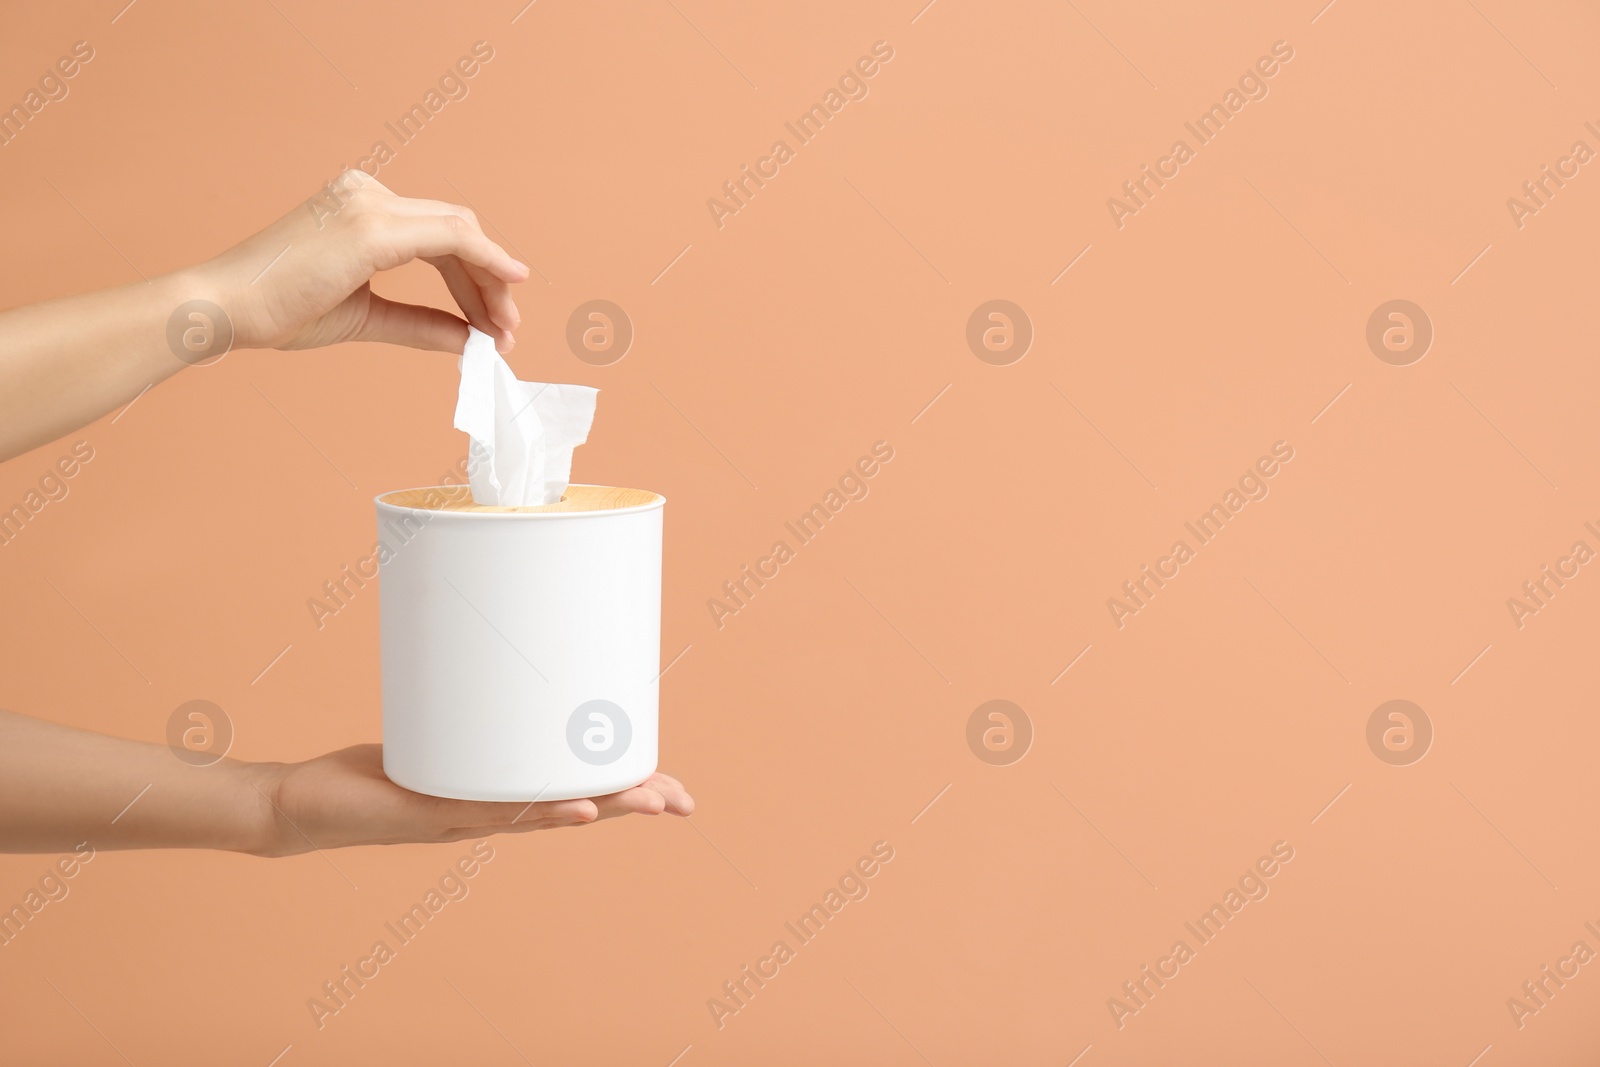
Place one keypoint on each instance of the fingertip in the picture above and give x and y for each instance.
(587, 811)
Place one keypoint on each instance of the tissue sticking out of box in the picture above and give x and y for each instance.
(523, 433)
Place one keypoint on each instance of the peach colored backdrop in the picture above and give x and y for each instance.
(1175, 341)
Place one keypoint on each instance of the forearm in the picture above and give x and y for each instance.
(60, 787)
(65, 363)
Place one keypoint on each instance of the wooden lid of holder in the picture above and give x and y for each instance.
(576, 498)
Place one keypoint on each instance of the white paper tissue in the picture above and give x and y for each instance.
(523, 433)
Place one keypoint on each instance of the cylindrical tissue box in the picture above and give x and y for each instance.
(521, 645)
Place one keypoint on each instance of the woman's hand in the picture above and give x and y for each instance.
(303, 281)
(61, 787)
(343, 799)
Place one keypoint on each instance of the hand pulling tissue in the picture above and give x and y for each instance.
(523, 433)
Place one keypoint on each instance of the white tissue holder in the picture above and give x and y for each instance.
(521, 645)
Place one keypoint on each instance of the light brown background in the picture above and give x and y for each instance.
(826, 716)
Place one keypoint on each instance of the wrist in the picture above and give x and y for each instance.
(259, 830)
(208, 315)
